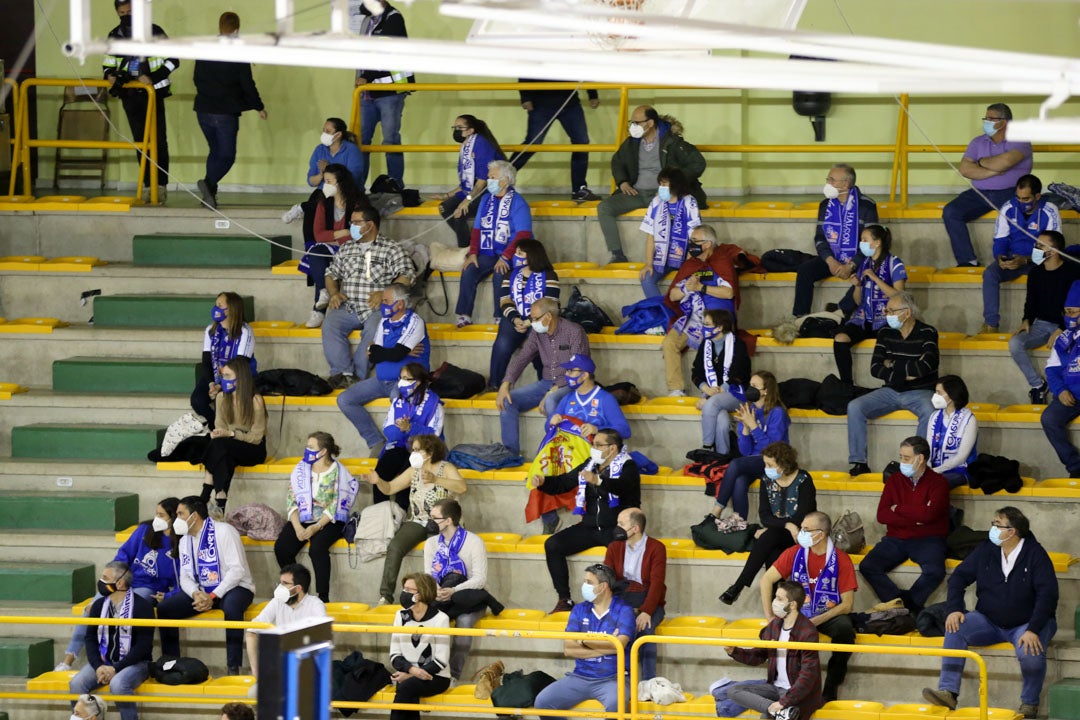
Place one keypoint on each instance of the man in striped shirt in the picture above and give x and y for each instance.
(906, 359)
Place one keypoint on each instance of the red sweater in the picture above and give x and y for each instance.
(920, 511)
(653, 571)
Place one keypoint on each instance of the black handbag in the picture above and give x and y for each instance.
(585, 313)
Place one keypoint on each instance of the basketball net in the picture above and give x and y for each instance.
(615, 42)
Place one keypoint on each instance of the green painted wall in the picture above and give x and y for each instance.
(274, 152)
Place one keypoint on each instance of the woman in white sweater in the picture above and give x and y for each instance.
(421, 662)
(952, 431)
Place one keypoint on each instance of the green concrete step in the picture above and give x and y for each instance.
(61, 582)
(40, 510)
(1063, 697)
(25, 657)
(123, 375)
(217, 251)
(85, 442)
(159, 311)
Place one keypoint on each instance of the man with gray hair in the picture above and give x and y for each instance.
(117, 655)
(400, 339)
(89, 707)
(906, 360)
(842, 215)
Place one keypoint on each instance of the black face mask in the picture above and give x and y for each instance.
(618, 533)
(105, 588)
(694, 250)
(752, 394)
(405, 599)
(459, 136)
(432, 527)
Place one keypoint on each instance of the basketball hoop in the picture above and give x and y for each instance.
(605, 41)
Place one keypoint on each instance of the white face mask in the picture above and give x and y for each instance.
(327, 139)
(76, 717)
(539, 327)
(938, 401)
(779, 608)
(597, 455)
(416, 460)
(830, 192)
(180, 527)
(159, 524)
(636, 131)
(282, 594)
(329, 190)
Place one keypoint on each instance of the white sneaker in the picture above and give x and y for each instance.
(324, 300)
(676, 393)
(292, 214)
(315, 319)
(62, 667)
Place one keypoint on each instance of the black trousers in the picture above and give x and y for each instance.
(763, 553)
(461, 226)
(571, 541)
(287, 546)
(224, 455)
(841, 630)
(178, 606)
(134, 102)
(842, 350)
(412, 690)
(200, 396)
(392, 463)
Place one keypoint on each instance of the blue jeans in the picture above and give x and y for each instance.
(735, 485)
(220, 132)
(1036, 337)
(961, 210)
(319, 258)
(1055, 422)
(568, 691)
(647, 655)
(977, 630)
(522, 400)
(572, 119)
(386, 110)
(506, 342)
(882, 402)
(123, 683)
(470, 281)
(992, 278)
(650, 285)
(178, 606)
(78, 635)
(352, 400)
(716, 421)
(336, 327)
(929, 553)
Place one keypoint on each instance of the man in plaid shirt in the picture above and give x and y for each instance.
(359, 272)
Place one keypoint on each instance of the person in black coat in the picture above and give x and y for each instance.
(223, 90)
(1016, 592)
(607, 483)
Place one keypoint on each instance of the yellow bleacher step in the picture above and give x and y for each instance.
(554, 621)
(232, 686)
(500, 542)
(513, 619)
(58, 202)
(850, 710)
(743, 628)
(8, 389)
(679, 547)
(72, 263)
(109, 203)
(698, 626)
(153, 687)
(52, 681)
(912, 711)
(347, 612)
(21, 263)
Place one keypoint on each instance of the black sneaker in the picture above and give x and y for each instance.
(584, 194)
(618, 257)
(208, 197)
(941, 698)
(859, 469)
(1038, 395)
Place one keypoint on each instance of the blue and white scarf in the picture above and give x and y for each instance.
(524, 291)
(222, 349)
(872, 308)
(710, 369)
(670, 236)
(467, 163)
(495, 224)
(614, 470)
(301, 485)
(123, 632)
(841, 226)
(446, 558)
(947, 438)
(692, 322)
(826, 589)
(204, 565)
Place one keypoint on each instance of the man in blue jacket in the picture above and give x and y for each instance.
(1063, 378)
(1017, 596)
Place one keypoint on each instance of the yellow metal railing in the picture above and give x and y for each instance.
(900, 150)
(633, 713)
(23, 142)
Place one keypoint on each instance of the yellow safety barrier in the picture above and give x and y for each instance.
(206, 699)
(23, 143)
(901, 149)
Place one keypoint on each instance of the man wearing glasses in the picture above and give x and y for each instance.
(607, 483)
(993, 166)
(1021, 612)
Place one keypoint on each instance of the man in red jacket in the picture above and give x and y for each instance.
(914, 508)
(640, 563)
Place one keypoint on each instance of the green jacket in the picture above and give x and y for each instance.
(674, 152)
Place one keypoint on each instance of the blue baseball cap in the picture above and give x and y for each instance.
(580, 362)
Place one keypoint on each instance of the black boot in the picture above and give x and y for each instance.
(731, 594)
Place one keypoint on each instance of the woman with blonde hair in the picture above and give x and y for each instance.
(239, 434)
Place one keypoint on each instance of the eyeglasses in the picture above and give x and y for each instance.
(639, 122)
(810, 530)
(1000, 526)
(994, 119)
(436, 519)
(894, 311)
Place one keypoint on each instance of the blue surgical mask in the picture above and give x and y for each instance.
(1026, 208)
(995, 535)
(227, 385)
(404, 386)
(773, 473)
(573, 381)
(1071, 323)
(1038, 256)
(907, 469)
(866, 249)
(588, 592)
(354, 232)
(805, 539)
(988, 127)
(387, 310)
(310, 456)
(664, 193)
(894, 321)
(493, 186)
(217, 314)
(518, 262)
